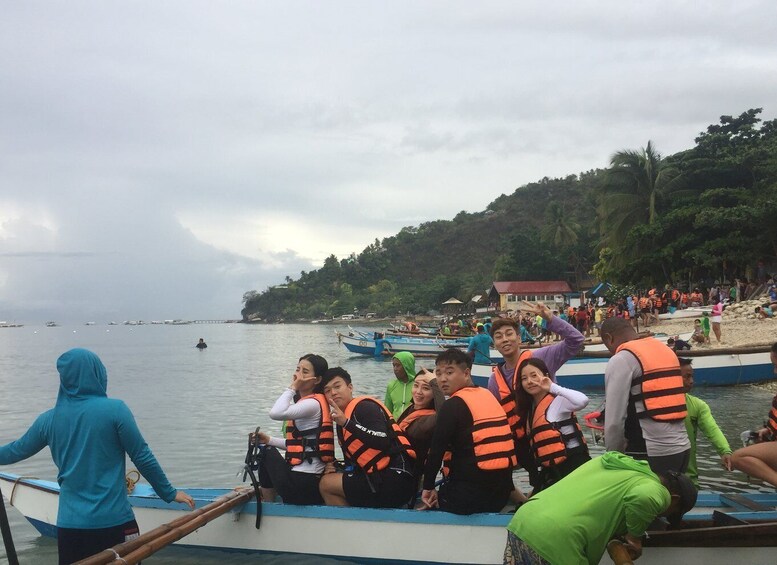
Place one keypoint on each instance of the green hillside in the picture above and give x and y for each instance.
(704, 213)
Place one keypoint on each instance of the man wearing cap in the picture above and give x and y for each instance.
(608, 497)
(480, 345)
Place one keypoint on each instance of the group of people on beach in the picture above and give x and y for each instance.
(436, 441)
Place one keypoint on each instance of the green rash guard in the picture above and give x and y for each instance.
(608, 496)
(399, 395)
(700, 418)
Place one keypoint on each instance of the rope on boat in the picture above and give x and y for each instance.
(130, 481)
(15, 483)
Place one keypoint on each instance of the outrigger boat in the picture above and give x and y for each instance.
(711, 367)
(378, 344)
(723, 529)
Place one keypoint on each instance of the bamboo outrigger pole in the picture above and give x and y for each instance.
(133, 551)
(10, 550)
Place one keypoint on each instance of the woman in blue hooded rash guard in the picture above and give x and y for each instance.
(89, 435)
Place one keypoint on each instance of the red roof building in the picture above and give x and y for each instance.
(507, 295)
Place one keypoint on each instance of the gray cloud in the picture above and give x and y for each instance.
(158, 160)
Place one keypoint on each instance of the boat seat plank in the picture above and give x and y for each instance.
(722, 519)
(740, 501)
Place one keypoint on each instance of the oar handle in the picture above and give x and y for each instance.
(619, 553)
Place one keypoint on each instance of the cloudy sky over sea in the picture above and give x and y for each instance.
(158, 159)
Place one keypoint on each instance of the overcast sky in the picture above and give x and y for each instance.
(158, 159)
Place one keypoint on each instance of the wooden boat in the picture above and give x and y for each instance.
(711, 367)
(370, 535)
(692, 312)
(377, 344)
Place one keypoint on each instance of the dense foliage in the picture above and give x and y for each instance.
(702, 214)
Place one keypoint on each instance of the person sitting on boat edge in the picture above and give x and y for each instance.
(607, 497)
(472, 442)
(480, 346)
(90, 436)
(419, 419)
(309, 439)
(644, 399)
(548, 412)
(760, 459)
(504, 379)
(378, 456)
(700, 417)
(399, 391)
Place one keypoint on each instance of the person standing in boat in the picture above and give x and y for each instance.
(419, 419)
(700, 417)
(90, 436)
(610, 496)
(644, 399)
(309, 440)
(504, 379)
(472, 442)
(480, 346)
(760, 459)
(548, 412)
(379, 458)
(399, 392)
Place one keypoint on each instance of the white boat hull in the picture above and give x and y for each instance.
(355, 534)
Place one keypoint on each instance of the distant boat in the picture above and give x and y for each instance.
(51, 324)
(7, 325)
(112, 324)
(89, 323)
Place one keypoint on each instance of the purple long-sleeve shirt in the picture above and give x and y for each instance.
(554, 355)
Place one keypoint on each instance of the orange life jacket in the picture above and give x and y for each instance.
(492, 438)
(548, 443)
(507, 394)
(661, 384)
(323, 446)
(658, 302)
(415, 415)
(367, 458)
(684, 298)
(772, 423)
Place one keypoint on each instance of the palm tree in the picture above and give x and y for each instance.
(635, 182)
(559, 230)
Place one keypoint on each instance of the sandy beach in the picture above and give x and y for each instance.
(740, 327)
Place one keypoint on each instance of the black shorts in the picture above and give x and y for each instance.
(389, 488)
(75, 544)
(294, 487)
(466, 497)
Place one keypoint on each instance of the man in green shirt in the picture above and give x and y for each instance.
(399, 392)
(700, 418)
(612, 495)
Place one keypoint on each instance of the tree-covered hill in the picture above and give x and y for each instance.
(707, 212)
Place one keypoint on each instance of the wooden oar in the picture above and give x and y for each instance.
(618, 553)
(10, 550)
(146, 544)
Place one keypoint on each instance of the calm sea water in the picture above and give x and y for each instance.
(195, 408)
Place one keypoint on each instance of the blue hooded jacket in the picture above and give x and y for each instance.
(89, 434)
